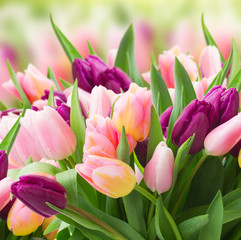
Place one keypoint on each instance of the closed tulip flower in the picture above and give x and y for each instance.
(3, 164)
(34, 191)
(23, 221)
(195, 114)
(132, 110)
(164, 120)
(52, 135)
(224, 137)
(109, 176)
(158, 173)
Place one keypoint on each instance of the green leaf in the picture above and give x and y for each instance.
(153, 60)
(229, 174)
(127, 50)
(30, 160)
(18, 86)
(201, 192)
(54, 224)
(165, 226)
(191, 226)
(230, 215)
(2, 106)
(122, 151)
(39, 167)
(183, 90)
(218, 80)
(151, 231)
(69, 180)
(209, 39)
(181, 157)
(155, 136)
(65, 83)
(77, 123)
(91, 50)
(51, 98)
(63, 232)
(9, 139)
(51, 76)
(112, 207)
(69, 49)
(237, 233)
(212, 230)
(236, 81)
(159, 88)
(77, 235)
(134, 209)
(231, 197)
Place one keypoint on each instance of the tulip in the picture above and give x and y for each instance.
(141, 151)
(164, 120)
(52, 235)
(23, 221)
(111, 55)
(224, 137)
(87, 71)
(64, 111)
(5, 185)
(102, 137)
(109, 176)
(114, 79)
(4, 212)
(100, 101)
(196, 114)
(33, 83)
(158, 173)
(53, 137)
(147, 77)
(58, 94)
(34, 191)
(3, 164)
(132, 110)
(229, 105)
(10, 112)
(166, 65)
(210, 62)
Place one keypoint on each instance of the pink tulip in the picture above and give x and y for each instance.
(111, 55)
(102, 137)
(166, 65)
(40, 104)
(198, 88)
(147, 77)
(110, 176)
(133, 110)
(210, 62)
(158, 173)
(33, 83)
(5, 191)
(21, 220)
(52, 136)
(224, 137)
(100, 102)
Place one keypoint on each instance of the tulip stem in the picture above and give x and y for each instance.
(151, 210)
(96, 221)
(71, 161)
(187, 183)
(145, 193)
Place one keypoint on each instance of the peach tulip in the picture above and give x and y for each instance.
(5, 185)
(224, 137)
(158, 173)
(21, 220)
(132, 110)
(109, 176)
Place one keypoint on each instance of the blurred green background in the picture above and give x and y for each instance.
(26, 35)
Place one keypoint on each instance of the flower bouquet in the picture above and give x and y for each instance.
(117, 155)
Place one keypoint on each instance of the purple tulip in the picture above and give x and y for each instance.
(141, 151)
(229, 105)
(164, 120)
(34, 191)
(58, 94)
(3, 164)
(115, 79)
(64, 112)
(235, 150)
(196, 118)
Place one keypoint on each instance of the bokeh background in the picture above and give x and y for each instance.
(26, 35)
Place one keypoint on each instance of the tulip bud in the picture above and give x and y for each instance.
(3, 164)
(224, 137)
(158, 173)
(115, 79)
(196, 114)
(141, 151)
(109, 176)
(164, 120)
(229, 105)
(34, 191)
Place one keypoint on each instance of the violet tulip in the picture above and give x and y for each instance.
(164, 120)
(34, 191)
(3, 164)
(115, 79)
(158, 173)
(224, 137)
(196, 119)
